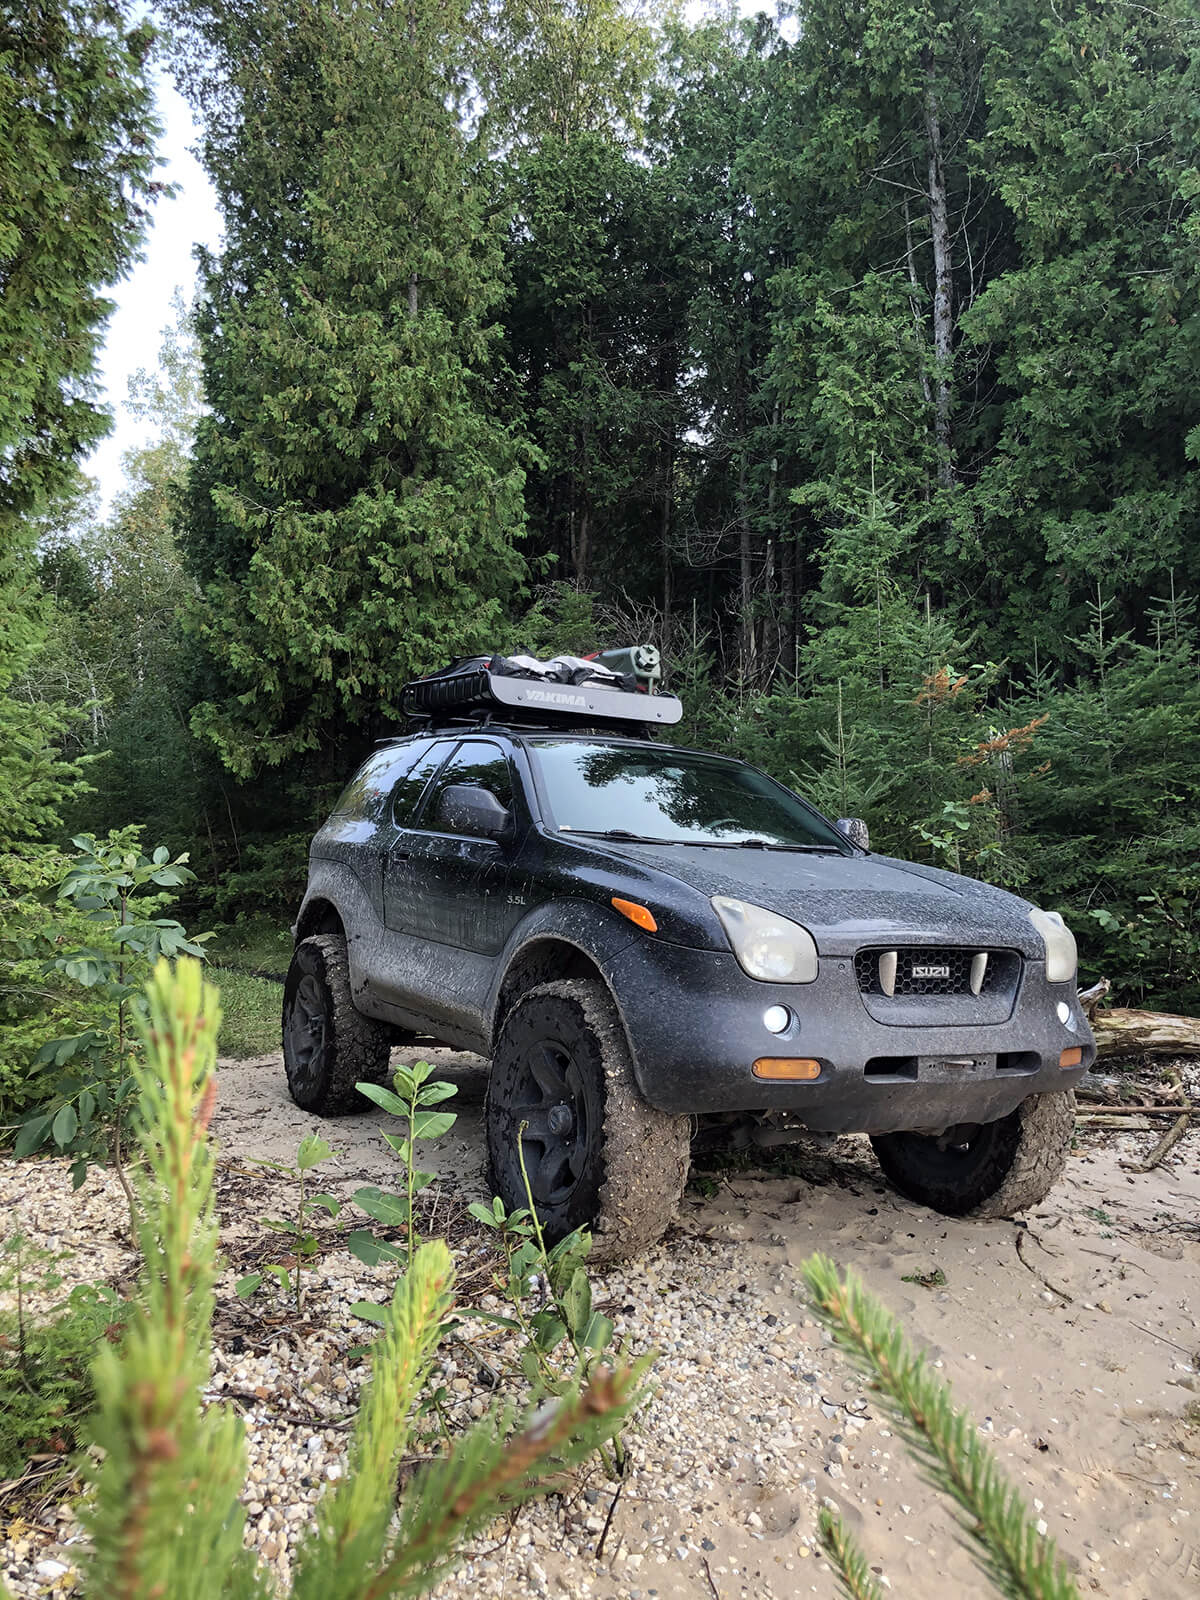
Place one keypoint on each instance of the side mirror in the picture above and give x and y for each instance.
(856, 830)
(466, 808)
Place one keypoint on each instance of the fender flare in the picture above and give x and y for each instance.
(593, 932)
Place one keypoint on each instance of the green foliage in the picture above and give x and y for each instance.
(80, 1083)
(164, 1516)
(45, 1355)
(355, 490)
(550, 1295)
(411, 1099)
(303, 1242)
(1018, 1561)
(849, 356)
(250, 1014)
(76, 161)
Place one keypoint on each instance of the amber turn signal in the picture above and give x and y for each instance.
(1072, 1056)
(787, 1067)
(642, 915)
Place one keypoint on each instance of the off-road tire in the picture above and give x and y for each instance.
(630, 1162)
(318, 1009)
(1006, 1167)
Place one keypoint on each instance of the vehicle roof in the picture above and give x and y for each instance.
(525, 734)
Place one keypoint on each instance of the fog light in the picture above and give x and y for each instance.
(1071, 1057)
(776, 1018)
(1064, 1011)
(786, 1067)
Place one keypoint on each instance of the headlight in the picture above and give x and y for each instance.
(1062, 958)
(767, 946)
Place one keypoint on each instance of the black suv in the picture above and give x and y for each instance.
(653, 943)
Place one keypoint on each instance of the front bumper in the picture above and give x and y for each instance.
(695, 1023)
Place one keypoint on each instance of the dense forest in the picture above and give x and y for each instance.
(849, 356)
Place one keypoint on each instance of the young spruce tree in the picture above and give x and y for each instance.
(354, 496)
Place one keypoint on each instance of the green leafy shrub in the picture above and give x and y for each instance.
(412, 1100)
(304, 1242)
(81, 1083)
(45, 1359)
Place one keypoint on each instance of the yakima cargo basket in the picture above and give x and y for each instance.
(517, 689)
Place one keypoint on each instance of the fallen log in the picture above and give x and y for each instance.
(1121, 1032)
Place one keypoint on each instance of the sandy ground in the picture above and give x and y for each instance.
(1074, 1338)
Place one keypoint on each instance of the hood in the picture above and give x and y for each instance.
(847, 902)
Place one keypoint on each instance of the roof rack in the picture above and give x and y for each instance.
(471, 691)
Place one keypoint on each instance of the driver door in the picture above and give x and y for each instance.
(451, 896)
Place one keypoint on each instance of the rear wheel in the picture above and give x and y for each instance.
(328, 1045)
(562, 1098)
(993, 1169)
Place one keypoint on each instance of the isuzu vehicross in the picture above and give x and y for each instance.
(651, 943)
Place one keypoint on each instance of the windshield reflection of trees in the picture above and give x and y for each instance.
(718, 801)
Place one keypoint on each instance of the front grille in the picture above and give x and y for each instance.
(934, 970)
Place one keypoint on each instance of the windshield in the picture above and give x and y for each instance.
(672, 797)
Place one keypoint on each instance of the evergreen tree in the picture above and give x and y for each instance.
(598, 255)
(1093, 334)
(75, 171)
(354, 495)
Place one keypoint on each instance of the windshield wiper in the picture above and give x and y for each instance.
(617, 833)
(762, 844)
(623, 834)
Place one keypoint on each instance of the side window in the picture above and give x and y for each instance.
(479, 762)
(365, 796)
(408, 792)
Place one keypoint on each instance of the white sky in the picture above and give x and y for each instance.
(143, 299)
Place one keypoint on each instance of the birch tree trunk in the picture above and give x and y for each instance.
(943, 289)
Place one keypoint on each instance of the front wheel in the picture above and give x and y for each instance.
(993, 1169)
(328, 1045)
(562, 1101)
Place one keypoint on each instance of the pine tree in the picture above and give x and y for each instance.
(355, 494)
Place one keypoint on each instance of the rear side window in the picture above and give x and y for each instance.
(365, 796)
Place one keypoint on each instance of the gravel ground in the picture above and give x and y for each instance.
(1073, 1344)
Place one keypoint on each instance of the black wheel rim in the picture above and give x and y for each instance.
(957, 1151)
(551, 1112)
(306, 1030)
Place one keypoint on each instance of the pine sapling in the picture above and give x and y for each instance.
(1019, 1561)
(164, 1517)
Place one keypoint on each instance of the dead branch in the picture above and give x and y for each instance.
(1089, 999)
(1163, 1148)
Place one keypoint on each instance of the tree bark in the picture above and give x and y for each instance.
(914, 301)
(943, 289)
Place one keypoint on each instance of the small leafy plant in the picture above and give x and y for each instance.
(305, 1244)
(85, 1078)
(45, 1360)
(412, 1099)
(556, 1282)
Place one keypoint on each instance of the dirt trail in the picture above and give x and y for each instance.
(1074, 1338)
